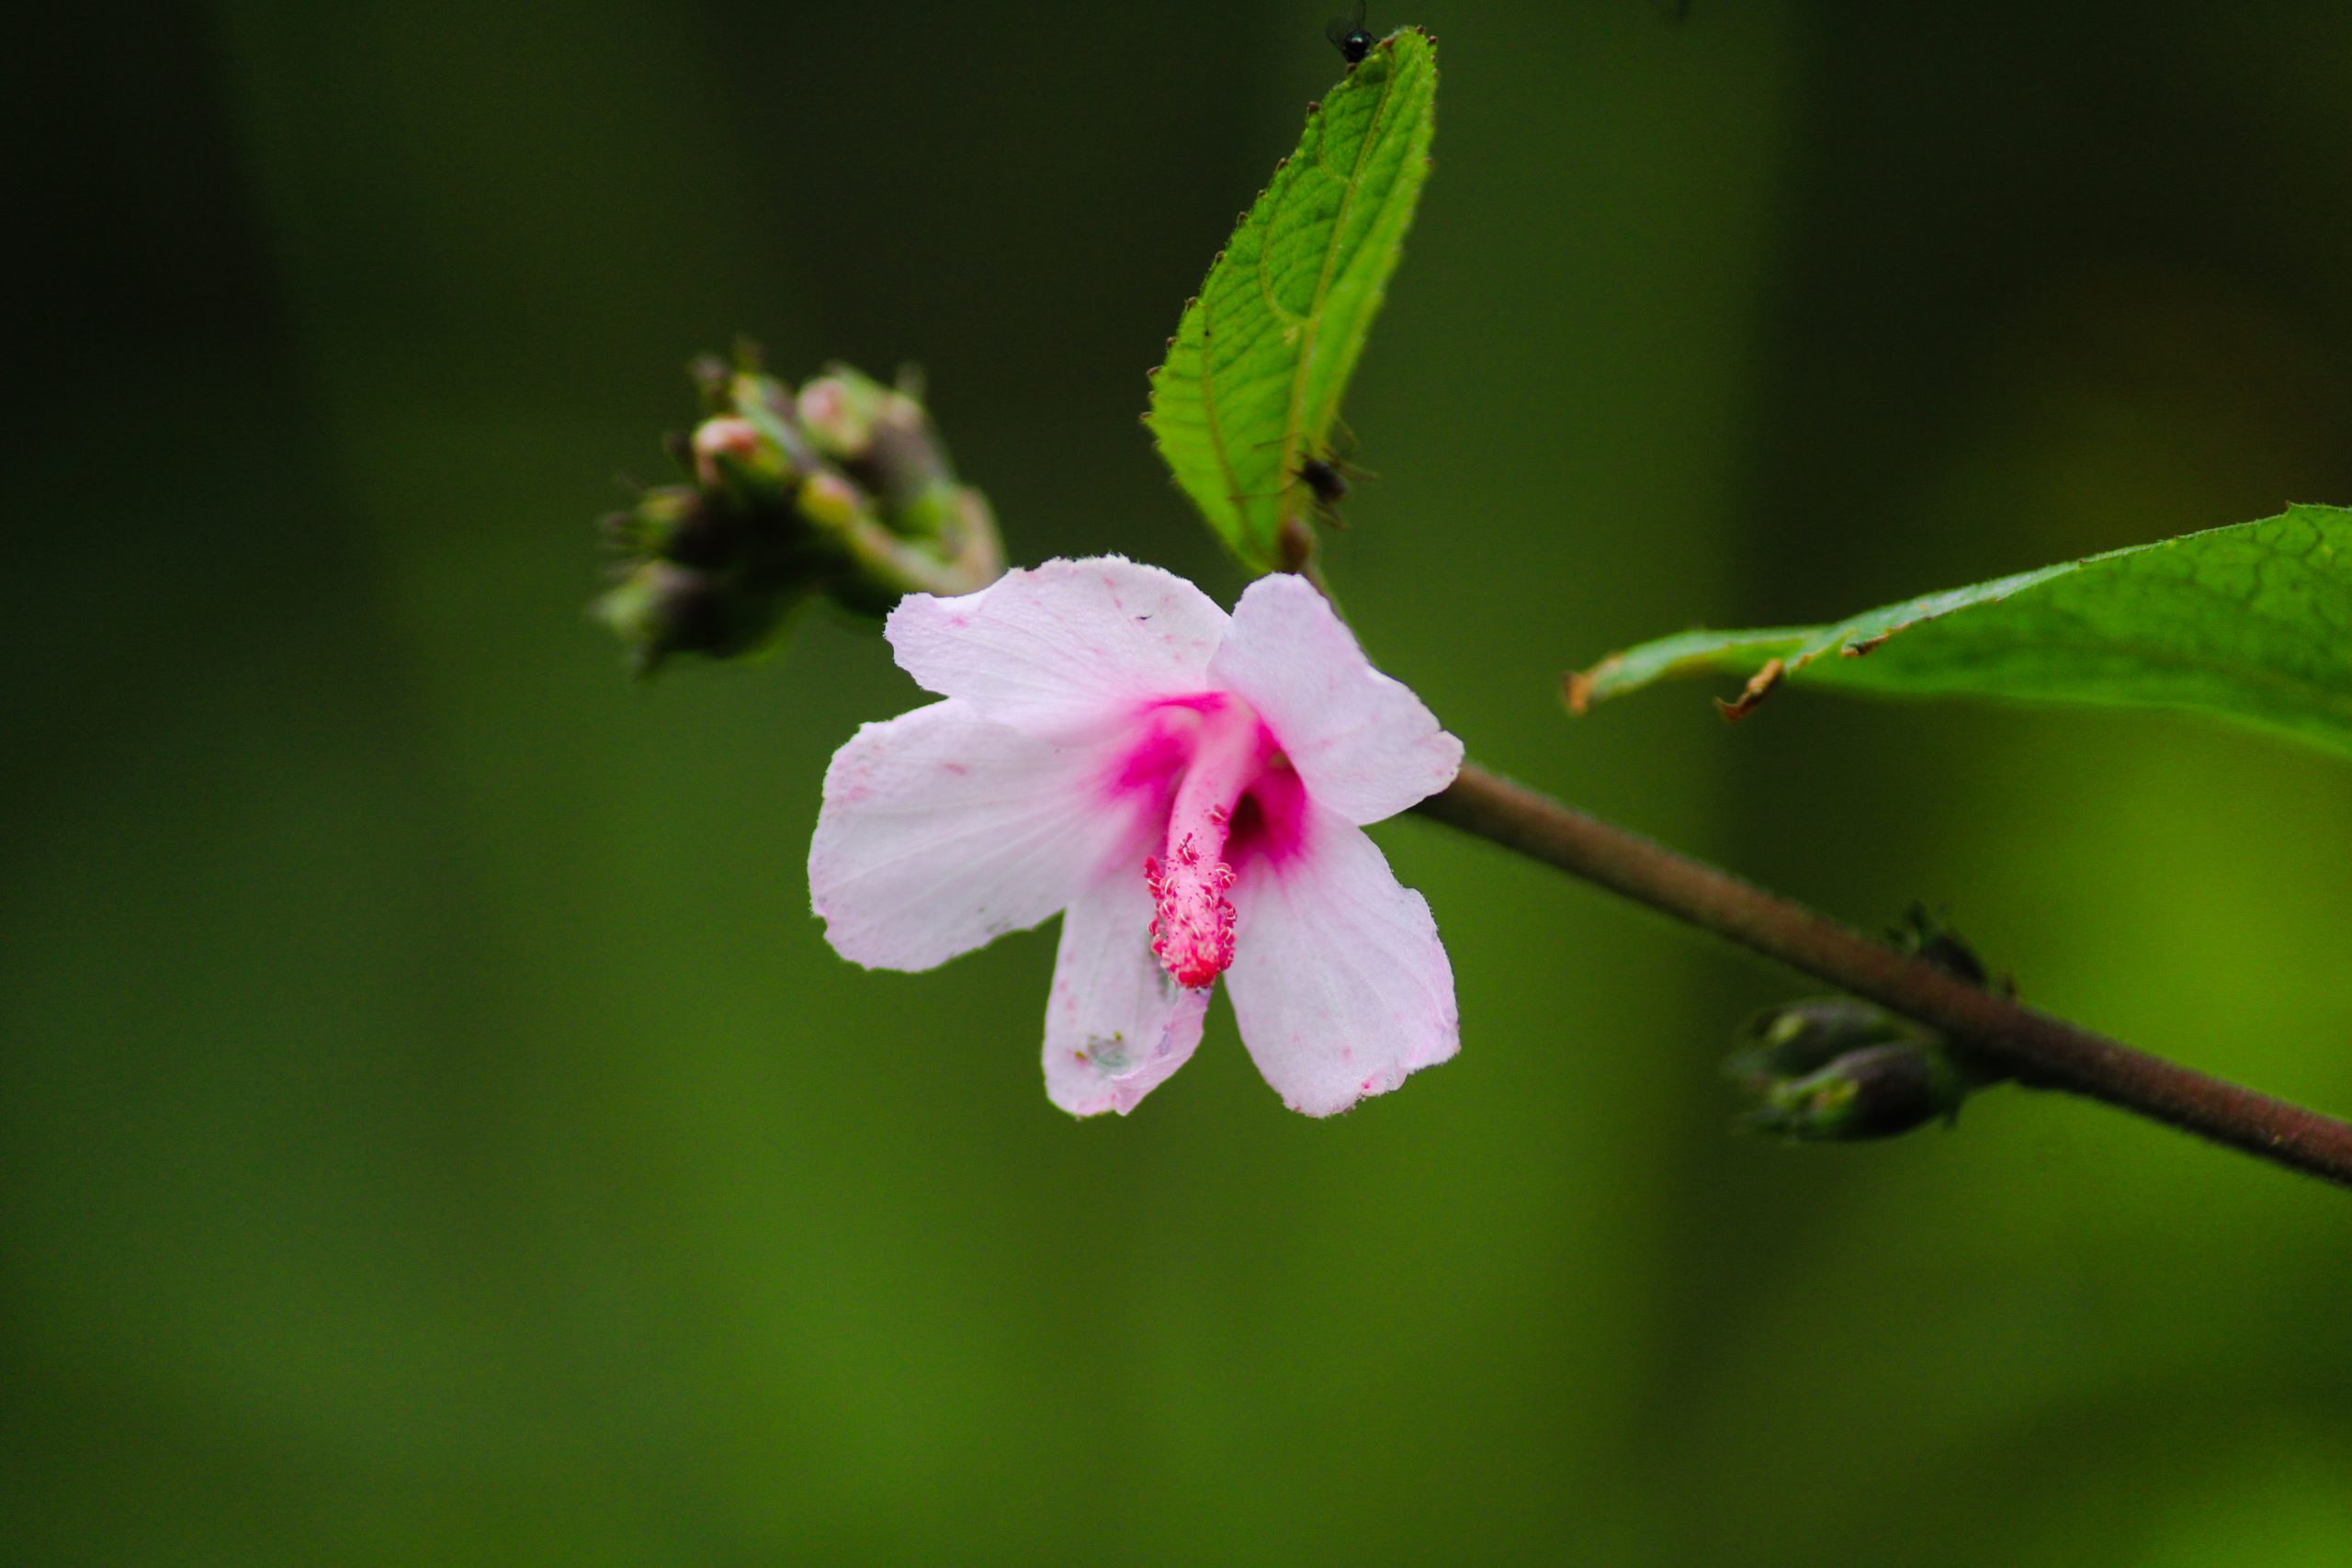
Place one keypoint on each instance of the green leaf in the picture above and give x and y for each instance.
(2251, 622)
(1255, 372)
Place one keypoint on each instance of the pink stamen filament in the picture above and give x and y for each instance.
(1191, 926)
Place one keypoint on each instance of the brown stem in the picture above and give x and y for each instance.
(2037, 1048)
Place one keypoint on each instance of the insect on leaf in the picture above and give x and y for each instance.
(2251, 624)
(1255, 373)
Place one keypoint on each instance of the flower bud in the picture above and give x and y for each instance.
(844, 488)
(1800, 1038)
(660, 609)
(829, 500)
(659, 516)
(1877, 1091)
(713, 378)
(839, 411)
(729, 454)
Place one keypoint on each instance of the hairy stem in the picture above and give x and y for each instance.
(2040, 1050)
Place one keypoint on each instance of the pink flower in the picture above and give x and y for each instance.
(1189, 789)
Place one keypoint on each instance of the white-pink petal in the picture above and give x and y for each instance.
(1116, 1025)
(941, 832)
(1067, 645)
(1365, 744)
(1338, 980)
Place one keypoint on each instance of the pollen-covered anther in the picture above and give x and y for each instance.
(1191, 925)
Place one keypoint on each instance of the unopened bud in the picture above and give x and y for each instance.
(844, 488)
(661, 512)
(660, 609)
(829, 500)
(729, 454)
(680, 523)
(726, 441)
(1800, 1038)
(1878, 1091)
(710, 375)
(839, 411)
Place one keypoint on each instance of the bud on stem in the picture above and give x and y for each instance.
(1837, 1068)
(1877, 1091)
(842, 490)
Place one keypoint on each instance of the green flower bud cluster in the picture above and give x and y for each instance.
(1836, 1069)
(842, 488)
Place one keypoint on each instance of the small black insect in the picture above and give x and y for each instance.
(1348, 36)
(1329, 478)
(1324, 480)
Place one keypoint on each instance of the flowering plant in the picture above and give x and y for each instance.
(1189, 790)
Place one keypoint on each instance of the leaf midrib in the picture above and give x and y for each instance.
(1291, 432)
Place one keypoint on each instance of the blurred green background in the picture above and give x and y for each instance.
(433, 1130)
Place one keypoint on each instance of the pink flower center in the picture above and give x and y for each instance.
(1191, 925)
